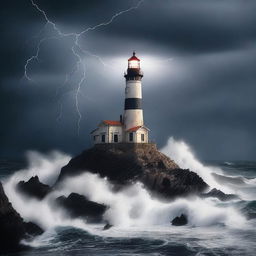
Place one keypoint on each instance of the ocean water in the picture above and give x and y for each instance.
(141, 223)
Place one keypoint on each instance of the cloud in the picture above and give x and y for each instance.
(199, 82)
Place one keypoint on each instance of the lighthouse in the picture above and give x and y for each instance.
(130, 127)
(133, 113)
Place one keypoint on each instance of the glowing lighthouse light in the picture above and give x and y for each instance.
(134, 62)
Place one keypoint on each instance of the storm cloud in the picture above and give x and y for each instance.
(198, 58)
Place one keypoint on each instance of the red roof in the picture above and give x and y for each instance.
(110, 122)
(134, 57)
(134, 129)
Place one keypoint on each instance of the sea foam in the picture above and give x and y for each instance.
(133, 206)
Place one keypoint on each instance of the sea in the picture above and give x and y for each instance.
(141, 223)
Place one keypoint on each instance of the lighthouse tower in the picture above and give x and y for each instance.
(133, 113)
(130, 128)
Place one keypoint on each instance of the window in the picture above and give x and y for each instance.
(94, 137)
(115, 138)
(103, 138)
(142, 137)
(130, 136)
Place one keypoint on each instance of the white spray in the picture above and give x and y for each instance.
(131, 207)
(182, 154)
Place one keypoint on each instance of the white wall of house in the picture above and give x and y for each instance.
(106, 134)
(115, 131)
(116, 134)
(137, 138)
(100, 135)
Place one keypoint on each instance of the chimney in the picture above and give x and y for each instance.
(121, 119)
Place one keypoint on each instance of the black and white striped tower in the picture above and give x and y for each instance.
(133, 113)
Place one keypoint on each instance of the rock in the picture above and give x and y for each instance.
(12, 227)
(32, 229)
(79, 206)
(107, 226)
(180, 221)
(126, 163)
(34, 188)
(220, 195)
(173, 183)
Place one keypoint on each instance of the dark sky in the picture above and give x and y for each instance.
(198, 58)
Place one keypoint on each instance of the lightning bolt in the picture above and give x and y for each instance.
(76, 48)
(35, 57)
(97, 57)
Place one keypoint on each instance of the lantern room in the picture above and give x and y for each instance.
(134, 62)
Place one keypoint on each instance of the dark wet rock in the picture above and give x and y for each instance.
(107, 226)
(180, 221)
(126, 163)
(12, 227)
(34, 188)
(32, 229)
(173, 183)
(79, 206)
(220, 195)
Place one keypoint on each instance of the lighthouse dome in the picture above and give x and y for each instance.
(134, 62)
(134, 57)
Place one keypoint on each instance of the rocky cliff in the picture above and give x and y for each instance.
(78, 206)
(127, 163)
(33, 187)
(12, 227)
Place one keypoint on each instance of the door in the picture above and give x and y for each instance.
(131, 136)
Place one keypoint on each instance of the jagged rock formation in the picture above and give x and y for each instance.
(107, 226)
(126, 163)
(180, 221)
(79, 206)
(12, 226)
(34, 188)
(219, 194)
